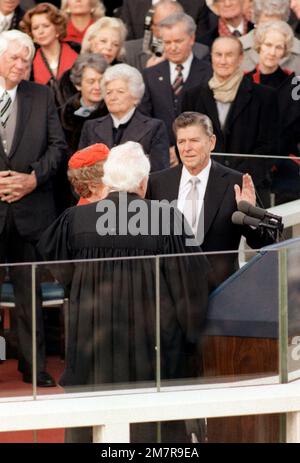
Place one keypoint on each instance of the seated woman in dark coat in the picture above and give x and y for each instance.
(47, 27)
(122, 89)
(273, 41)
(87, 103)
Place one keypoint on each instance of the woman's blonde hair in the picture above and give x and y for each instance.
(278, 26)
(105, 23)
(97, 8)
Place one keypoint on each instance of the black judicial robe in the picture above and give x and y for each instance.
(112, 298)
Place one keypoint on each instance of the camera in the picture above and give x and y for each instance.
(156, 46)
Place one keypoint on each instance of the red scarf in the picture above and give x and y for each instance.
(41, 71)
(257, 74)
(73, 34)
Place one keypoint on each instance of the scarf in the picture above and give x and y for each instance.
(226, 91)
(224, 30)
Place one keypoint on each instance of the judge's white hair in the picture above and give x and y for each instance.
(126, 167)
(22, 39)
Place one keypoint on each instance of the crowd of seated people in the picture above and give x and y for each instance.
(128, 76)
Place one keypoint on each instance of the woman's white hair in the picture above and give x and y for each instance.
(21, 38)
(278, 26)
(97, 8)
(128, 74)
(126, 167)
(280, 8)
(105, 23)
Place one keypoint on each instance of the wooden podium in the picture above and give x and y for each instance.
(241, 343)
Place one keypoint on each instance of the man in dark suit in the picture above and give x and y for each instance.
(133, 13)
(226, 20)
(167, 82)
(10, 14)
(218, 190)
(148, 51)
(31, 151)
(244, 114)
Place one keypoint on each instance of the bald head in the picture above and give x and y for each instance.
(162, 10)
(226, 57)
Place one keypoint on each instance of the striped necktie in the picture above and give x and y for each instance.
(178, 82)
(5, 103)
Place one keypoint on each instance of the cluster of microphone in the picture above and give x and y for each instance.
(256, 217)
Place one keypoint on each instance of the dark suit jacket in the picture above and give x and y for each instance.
(158, 98)
(136, 57)
(150, 133)
(251, 126)
(220, 234)
(38, 145)
(133, 13)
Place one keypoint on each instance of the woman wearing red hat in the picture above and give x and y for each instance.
(85, 172)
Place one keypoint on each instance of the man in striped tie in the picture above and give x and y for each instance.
(166, 82)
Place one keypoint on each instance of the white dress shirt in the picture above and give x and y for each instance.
(239, 28)
(123, 120)
(185, 71)
(5, 21)
(185, 186)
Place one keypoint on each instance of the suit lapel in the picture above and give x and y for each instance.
(172, 187)
(136, 128)
(216, 187)
(162, 77)
(212, 111)
(242, 99)
(24, 109)
(104, 131)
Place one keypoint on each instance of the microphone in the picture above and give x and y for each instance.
(239, 218)
(256, 212)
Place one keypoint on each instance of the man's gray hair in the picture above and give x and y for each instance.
(21, 38)
(279, 8)
(128, 74)
(177, 6)
(189, 118)
(176, 18)
(126, 167)
(278, 26)
(87, 60)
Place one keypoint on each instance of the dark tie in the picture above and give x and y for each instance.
(236, 33)
(5, 103)
(178, 82)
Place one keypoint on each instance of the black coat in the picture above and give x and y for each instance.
(251, 126)
(72, 124)
(38, 145)
(112, 314)
(158, 100)
(220, 234)
(133, 13)
(150, 133)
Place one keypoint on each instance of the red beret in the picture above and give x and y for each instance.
(88, 156)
